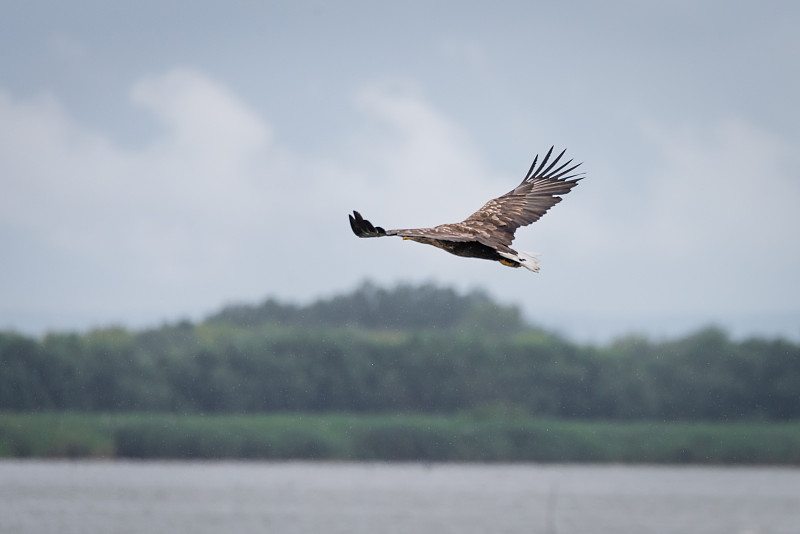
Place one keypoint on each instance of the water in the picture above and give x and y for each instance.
(302, 498)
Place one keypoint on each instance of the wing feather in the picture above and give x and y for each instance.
(450, 232)
(498, 219)
(447, 232)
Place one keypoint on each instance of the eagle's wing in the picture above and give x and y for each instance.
(450, 232)
(495, 223)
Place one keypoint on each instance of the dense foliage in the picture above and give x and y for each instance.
(462, 437)
(419, 349)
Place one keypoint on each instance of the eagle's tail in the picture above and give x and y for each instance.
(525, 259)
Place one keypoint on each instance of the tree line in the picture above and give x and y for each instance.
(409, 349)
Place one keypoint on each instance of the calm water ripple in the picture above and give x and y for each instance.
(303, 498)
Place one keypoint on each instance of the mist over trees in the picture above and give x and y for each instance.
(410, 349)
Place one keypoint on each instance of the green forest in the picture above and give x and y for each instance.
(409, 350)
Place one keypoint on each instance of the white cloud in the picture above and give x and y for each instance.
(704, 228)
(727, 186)
(203, 120)
(215, 209)
(157, 220)
(414, 160)
(725, 203)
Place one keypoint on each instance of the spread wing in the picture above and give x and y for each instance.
(450, 232)
(495, 223)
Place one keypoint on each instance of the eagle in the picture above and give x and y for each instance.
(488, 233)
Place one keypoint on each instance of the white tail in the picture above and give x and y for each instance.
(527, 260)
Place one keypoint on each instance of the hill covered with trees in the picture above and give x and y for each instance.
(409, 349)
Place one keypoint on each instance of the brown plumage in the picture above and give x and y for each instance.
(488, 232)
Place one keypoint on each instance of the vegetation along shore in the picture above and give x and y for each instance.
(413, 372)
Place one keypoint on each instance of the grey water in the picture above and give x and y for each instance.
(306, 497)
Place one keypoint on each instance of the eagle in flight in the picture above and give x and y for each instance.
(488, 232)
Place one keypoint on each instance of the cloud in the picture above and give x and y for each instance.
(198, 114)
(724, 186)
(705, 227)
(417, 156)
(151, 222)
(214, 208)
(724, 202)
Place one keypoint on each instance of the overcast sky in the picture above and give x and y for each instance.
(161, 159)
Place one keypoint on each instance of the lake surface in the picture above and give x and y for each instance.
(89, 497)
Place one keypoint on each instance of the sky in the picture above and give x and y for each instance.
(159, 160)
